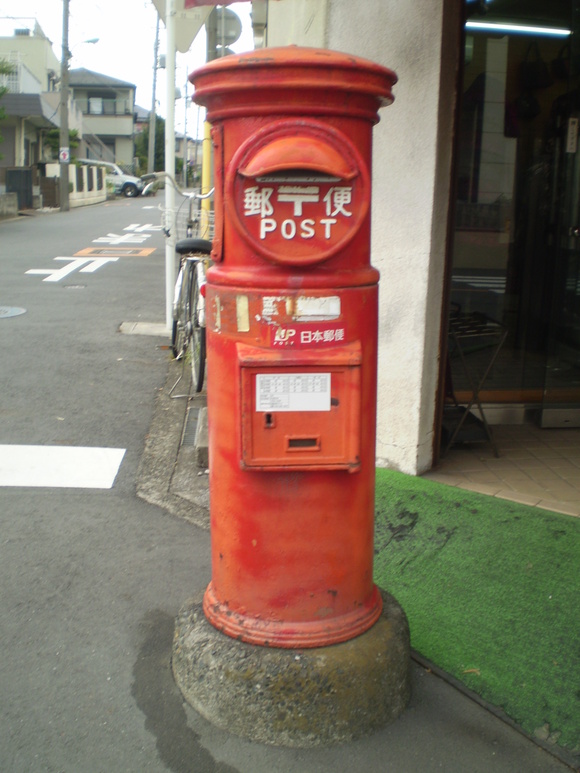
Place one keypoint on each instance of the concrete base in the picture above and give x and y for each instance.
(301, 698)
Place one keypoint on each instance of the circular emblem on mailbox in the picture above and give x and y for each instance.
(298, 192)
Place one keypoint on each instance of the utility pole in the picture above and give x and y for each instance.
(64, 143)
(170, 161)
(185, 145)
(152, 114)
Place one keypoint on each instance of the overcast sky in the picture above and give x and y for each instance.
(126, 32)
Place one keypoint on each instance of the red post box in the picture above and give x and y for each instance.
(292, 345)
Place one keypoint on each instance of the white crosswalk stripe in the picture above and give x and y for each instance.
(59, 466)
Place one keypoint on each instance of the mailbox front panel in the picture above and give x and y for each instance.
(301, 417)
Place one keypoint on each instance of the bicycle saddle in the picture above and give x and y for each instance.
(185, 246)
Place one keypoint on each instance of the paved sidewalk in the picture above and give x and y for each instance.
(169, 475)
(443, 728)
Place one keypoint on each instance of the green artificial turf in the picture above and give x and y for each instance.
(492, 592)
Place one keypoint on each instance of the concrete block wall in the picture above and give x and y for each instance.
(81, 198)
(8, 205)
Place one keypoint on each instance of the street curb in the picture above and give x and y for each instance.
(562, 754)
(166, 471)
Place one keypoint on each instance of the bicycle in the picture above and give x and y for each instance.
(188, 328)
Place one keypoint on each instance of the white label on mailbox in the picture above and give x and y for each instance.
(270, 305)
(317, 309)
(292, 392)
(243, 313)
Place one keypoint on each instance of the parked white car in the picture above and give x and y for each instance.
(125, 184)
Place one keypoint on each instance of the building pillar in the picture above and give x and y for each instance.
(411, 192)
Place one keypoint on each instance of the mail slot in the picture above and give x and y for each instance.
(292, 322)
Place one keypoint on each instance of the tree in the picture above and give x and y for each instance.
(142, 144)
(52, 140)
(5, 69)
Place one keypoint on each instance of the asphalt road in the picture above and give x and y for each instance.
(92, 579)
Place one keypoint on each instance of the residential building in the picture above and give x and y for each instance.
(141, 119)
(108, 108)
(31, 104)
(36, 68)
(100, 111)
(31, 109)
(189, 150)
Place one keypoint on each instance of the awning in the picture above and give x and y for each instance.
(37, 111)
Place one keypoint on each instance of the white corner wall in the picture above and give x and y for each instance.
(411, 188)
(302, 22)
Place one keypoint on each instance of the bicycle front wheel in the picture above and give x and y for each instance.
(197, 346)
(181, 328)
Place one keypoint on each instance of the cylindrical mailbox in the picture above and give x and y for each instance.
(292, 345)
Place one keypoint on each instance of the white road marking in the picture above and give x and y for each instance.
(59, 466)
(138, 228)
(145, 329)
(129, 238)
(55, 275)
(96, 264)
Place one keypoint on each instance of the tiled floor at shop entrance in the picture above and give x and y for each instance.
(538, 467)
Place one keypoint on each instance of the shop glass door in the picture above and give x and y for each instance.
(561, 398)
(516, 241)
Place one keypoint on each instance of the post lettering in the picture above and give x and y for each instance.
(288, 229)
(328, 222)
(267, 225)
(307, 228)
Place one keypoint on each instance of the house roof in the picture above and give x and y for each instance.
(33, 107)
(141, 113)
(82, 77)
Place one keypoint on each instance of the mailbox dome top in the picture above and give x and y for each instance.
(293, 79)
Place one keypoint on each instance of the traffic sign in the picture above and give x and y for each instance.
(225, 25)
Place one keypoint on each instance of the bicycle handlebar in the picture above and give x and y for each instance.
(186, 194)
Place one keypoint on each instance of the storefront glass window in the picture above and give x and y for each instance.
(516, 242)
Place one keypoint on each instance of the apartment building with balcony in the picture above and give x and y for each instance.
(30, 106)
(108, 108)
